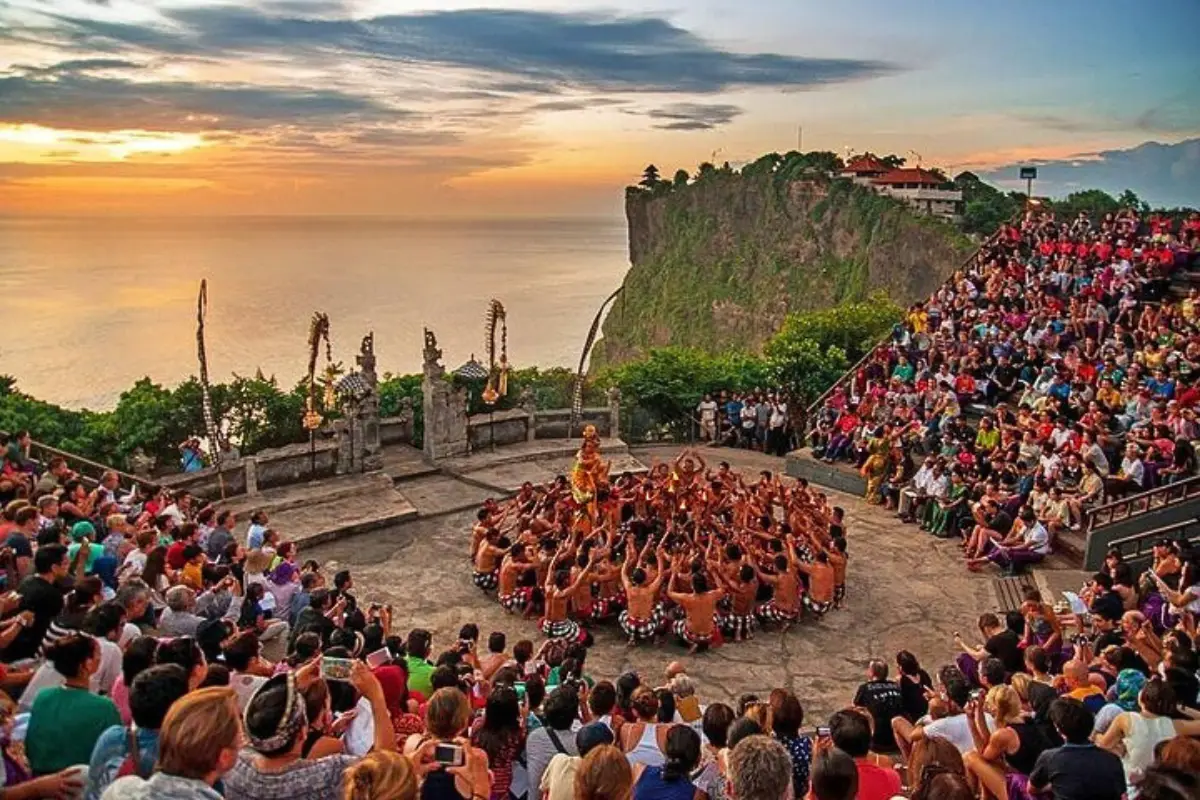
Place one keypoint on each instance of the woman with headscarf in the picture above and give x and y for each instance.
(402, 705)
(1123, 697)
(276, 726)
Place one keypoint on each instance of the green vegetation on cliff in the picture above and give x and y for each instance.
(719, 262)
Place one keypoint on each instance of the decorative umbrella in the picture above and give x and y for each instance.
(472, 370)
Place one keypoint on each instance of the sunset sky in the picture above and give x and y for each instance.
(549, 106)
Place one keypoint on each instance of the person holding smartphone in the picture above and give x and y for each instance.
(456, 769)
(276, 724)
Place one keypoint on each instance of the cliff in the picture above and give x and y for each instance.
(717, 263)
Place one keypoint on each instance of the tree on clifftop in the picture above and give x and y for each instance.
(650, 177)
(681, 177)
(705, 169)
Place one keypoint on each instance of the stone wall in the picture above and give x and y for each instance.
(265, 470)
(498, 428)
(396, 430)
(554, 423)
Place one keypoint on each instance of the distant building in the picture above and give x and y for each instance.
(922, 189)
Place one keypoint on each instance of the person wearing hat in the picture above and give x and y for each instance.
(558, 779)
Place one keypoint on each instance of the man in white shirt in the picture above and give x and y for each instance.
(912, 495)
(707, 411)
(776, 436)
(1028, 543)
(1132, 476)
(946, 718)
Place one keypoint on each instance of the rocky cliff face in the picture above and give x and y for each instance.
(717, 264)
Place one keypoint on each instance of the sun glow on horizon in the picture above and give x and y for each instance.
(30, 143)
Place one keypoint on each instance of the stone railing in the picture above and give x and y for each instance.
(525, 425)
(294, 463)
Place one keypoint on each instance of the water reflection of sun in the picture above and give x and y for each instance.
(38, 144)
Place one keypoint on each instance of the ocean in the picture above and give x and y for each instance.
(91, 305)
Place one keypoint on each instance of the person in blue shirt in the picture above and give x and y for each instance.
(733, 412)
(190, 458)
(1161, 385)
(151, 695)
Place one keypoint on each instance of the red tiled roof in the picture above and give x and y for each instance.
(865, 163)
(914, 175)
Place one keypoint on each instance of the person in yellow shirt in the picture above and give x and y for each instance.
(918, 319)
(193, 569)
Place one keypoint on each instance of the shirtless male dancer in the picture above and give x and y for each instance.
(560, 590)
(642, 619)
(699, 628)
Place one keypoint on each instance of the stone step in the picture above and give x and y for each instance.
(286, 498)
(344, 516)
(840, 476)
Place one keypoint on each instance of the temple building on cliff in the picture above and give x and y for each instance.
(922, 189)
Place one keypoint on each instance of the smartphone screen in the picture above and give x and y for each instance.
(823, 732)
(336, 669)
(379, 658)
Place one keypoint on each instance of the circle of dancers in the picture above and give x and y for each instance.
(701, 554)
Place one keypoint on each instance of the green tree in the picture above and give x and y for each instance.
(893, 161)
(1094, 202)
(853, 328)
(802, 366)
(650, 177)
(985, 207)
(706, 169)
(1129, 199)
(681, 178)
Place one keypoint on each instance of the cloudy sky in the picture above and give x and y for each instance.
(550, 106)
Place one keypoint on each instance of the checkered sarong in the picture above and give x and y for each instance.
(487, 580)
(737, 625)
(689, 636)
(563, 629)
(820, 609)
(771, 612)
(518, 600)
(605, 607)
(641, 630)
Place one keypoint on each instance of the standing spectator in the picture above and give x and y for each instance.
(707, 411)
(191, 457)
(882, 698)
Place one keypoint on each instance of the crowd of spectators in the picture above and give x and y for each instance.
(144, 676)
(759, 420)
(1057, 371)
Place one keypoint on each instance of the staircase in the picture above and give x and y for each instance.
(1135, 522)
(89, 471)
